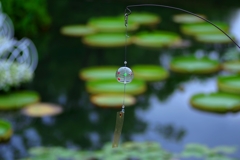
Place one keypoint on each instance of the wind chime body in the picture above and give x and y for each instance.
(123, 75)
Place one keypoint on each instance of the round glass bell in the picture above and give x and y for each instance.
(124, 75)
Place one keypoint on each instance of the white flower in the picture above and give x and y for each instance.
(13, 74)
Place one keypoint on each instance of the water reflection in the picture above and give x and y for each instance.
(176, 113)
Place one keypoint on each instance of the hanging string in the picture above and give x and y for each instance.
(128, 12)
(126, 37)
(125, 58)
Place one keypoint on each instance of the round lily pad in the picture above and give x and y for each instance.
(147, 146)
(156, 39)
(187, 18)
(77, 30)
(111, 24)
(112, 100)
(230, 84)
(144, 18)
(150, 72)
(113, 86)
(5, 130)
(15, 100)
(42, 109)
(216, 102)
(194, 65)
(201, 28)
(231, 66)
(98, 72)
(213, 38)
(106, 40)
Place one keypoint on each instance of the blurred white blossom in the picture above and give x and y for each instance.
(13, 74)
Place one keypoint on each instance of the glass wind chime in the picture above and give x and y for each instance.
(125, 75)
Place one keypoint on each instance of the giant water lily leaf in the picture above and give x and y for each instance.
(230, 84)
(156, 39)
(111, 24)
(144, 146)
(113, 86)
(129, 150)
(203, 28)
(225, 149)
(149, 72)
(42, 109)
(194, 65)
(231, 66)
(5, 130)
(216, 102)
(53, 153)
(144, 18)
(213, 38)
(77, 30)
(218, 157)
(112, 100)
(187, 18)
(98, 72)
(106, 40)
(19, 99)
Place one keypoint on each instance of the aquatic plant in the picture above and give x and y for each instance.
(15, 100)
(134, 151)
(5, 130)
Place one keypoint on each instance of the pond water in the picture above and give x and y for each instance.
(162, 114)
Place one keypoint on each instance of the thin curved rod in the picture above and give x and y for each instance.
(128, 12)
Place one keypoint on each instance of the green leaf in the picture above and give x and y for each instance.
(216, 102)
(225, 149)
(193, 65)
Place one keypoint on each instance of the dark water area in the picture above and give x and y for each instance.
(162, 114)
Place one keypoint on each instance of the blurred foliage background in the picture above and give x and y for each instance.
(32, 17)
(29, 17)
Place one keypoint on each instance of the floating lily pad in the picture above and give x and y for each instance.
(77, 30)
(5, 131)
(156, 39)
(230, 84)
(231, 66)
(144, 146)
(17, 100)
(187, 18)
(216, 102)
(213, 38)
(201, 28)
(112, 100)
(144, 18)
(42, 109)
(98, 72)
(195, 150)
(194, 65)
(113, 86)
(149, 72)
(111, 24)
(106, 40)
